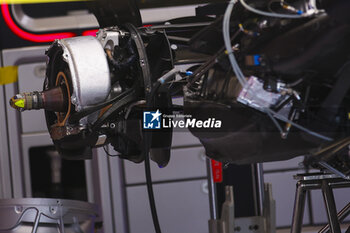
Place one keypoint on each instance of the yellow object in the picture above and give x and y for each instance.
(35, 1)
(20, 103)
(8, 74)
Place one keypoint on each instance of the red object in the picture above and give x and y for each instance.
(30, 36)
(90, 32)
(216, 168)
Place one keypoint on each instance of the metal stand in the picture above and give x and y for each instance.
(326, 183)
(258, 224)
(46, 215)
(227, 223)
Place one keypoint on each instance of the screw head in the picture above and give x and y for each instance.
(18, 209)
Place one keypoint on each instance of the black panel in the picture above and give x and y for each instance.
(241, 178)
(73, 179)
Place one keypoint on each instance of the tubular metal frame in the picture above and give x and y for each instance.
(326, 183)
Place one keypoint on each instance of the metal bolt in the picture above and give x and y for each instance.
(142, 62)
(18, 209)
(53, 210)
(284, 135)
(69, 130)
(74, 100)
(253, 227)
(174, 47)
(205, 188)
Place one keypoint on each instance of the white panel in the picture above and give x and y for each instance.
(82, 20)
(102, 189)
(184, 164)
(5, 182)
(89, 180)
(167, 13)
(182, 207)
(294, 163)
(341, 196)
(17, 57)
(31, 78)
(118, 195)
(283, 191)
(184, 138)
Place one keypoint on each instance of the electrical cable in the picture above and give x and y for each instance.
(269, 14)
(107, 153)
(150, 186)
(92, 109)
(113, 110)
(202, 69)
(336, 149)
(147, 136)
(228, 45)
(147, 140)
(166, 77)
(333, 145)
(239, 74)
(278, 126)
(282, 118)
(333, 170)
(293, 84)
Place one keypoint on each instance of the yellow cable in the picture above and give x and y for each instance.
(8, 74)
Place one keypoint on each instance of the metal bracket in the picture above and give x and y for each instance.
(226, 223)
(256, 224)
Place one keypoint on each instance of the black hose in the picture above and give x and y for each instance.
(77, 116)
(115, 108)
(147, 142)
(147, 136)
(150, 186)
(200, 71)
